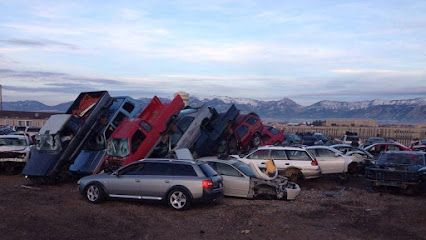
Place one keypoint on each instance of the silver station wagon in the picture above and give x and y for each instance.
(178, 182)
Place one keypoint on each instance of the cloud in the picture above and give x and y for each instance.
(38, 43)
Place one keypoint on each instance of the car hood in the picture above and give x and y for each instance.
(14, 148)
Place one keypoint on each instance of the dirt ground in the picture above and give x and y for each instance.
(325, 209)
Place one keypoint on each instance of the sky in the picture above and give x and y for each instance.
(305, 50)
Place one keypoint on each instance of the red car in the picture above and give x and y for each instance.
(377, 148)
(135, 138)
(272, 136)
(247, 130)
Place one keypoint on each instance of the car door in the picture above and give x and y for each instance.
(126, 183)
(259, 156)
(280, 159)
(329, 162)
(154, 179)
(234, 183)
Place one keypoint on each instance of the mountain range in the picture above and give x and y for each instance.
(386, 111)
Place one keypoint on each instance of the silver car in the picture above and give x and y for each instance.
(179, 182)
(241, 181)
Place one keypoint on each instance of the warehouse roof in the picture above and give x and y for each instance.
(26, 115)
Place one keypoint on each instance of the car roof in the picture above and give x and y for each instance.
(169, 160)
(272, 147)
(230, 161)
(13, 136)
(321, 147)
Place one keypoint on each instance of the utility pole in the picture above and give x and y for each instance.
(1, 98)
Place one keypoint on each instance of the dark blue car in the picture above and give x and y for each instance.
(401, 169)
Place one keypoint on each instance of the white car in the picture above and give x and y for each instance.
(292, 162)
(247, 181)
(332, 161)
(14, 152)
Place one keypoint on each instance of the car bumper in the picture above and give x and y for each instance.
(311, 173)
(292, 190)
(210, 195)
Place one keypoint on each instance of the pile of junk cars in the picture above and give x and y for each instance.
(118, 150)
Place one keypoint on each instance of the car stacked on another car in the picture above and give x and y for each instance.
(292, 162)
(247, 132)
(178, 182)
(272, 136)
(400, 169)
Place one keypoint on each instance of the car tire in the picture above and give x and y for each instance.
(267, 193)
(179, 199)
(94, 193)
(293, 175)
(256, 140)
(353, 168)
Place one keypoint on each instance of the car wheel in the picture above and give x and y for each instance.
(293, 175)
(256, 141)
(179, 199)
(94, 193)
(267, 193)
(353, 168)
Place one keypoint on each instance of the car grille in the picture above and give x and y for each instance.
(388, 175)
(11, 155)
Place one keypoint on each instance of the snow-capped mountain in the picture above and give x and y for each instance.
(407, 110)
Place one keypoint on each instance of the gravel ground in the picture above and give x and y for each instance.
(326, 209)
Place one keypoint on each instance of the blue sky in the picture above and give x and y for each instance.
(305, 50)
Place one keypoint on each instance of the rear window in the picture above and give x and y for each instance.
(401, 159)
(183, 170)
(207, 170)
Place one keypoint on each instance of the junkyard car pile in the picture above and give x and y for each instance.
(148, 153)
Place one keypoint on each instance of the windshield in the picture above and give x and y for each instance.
(118, 147)
(13, 142)
(245, 168)
(48, 142)
(401, 159)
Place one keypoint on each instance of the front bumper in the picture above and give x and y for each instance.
(292, 190)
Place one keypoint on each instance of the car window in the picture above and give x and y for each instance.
(394, 148)
(183, 170)
(225, 169)
(132, 169)
(251, 121)
(241, 131)
(118, 119)
(128, 107)
(401, 158)
(208, 170)
(137, 139)
(278, 154)
(259, 154)
(297, 155)
(145, 125)
(150, 168)
(324, 152)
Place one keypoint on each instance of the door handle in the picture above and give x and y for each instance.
(137, 180)
(287, 164)
(166, 181)
(262, 163)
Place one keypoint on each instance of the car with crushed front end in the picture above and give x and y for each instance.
(14, 152)
(401, 169)
(177, 182)
(241, 180)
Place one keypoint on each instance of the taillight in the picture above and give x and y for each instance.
(207, 184)
(314, 162)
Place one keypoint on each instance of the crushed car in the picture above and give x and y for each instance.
(90, 160)
(400, 169)
(247, 133)
(214, 136)
(248, 181)
(62, 137)
(135, 139)
(272, 136)
(14, 153)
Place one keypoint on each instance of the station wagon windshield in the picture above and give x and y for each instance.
(244, 168)
(13, 142)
